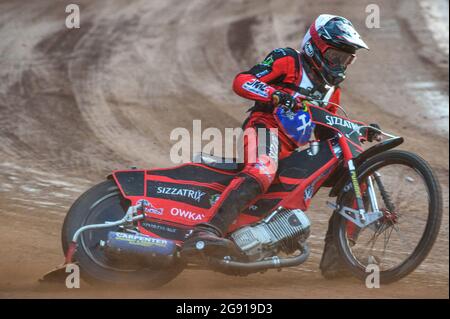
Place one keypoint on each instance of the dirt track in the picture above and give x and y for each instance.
(75, 104)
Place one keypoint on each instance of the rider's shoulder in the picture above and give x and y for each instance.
(279, 54)
(284, 52)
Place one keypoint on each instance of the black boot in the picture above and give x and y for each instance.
(208, 238)
(234, 200)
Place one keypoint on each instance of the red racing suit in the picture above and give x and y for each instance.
(282, 70)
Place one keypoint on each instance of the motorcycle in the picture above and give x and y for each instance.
(130, 228)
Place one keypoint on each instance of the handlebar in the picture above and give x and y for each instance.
(311, 99)
(308, 98)
(378, 130)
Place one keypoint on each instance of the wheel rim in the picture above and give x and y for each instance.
(395, 239)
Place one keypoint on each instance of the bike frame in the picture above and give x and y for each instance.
(291, 191)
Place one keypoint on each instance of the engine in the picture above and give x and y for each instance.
(281, 230)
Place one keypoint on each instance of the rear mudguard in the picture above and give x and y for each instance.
(130, 182)
(370, 152)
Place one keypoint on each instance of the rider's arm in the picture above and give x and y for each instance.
(254, 84)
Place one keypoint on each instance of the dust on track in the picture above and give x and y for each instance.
(76, 104)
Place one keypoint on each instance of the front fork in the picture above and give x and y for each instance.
(359, 216)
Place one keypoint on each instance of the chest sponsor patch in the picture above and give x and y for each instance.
(193, 195)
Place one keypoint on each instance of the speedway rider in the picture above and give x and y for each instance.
(328, 47)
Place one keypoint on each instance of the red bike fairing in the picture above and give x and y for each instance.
(173, 199)
(176, 199)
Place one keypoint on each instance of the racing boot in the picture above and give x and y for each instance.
(208, 238)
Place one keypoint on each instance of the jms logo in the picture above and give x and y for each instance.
(256, 87)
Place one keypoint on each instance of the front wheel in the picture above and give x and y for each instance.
(409, 195)
(101, 203)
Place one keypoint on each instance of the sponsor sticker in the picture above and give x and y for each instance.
(256, 87)
(186, 214)
(309, 191)
(334, 120)
(140, 240)
(268, 61)
(213, 199)
(281, 51)
(304, 123)
(154, 226)
(309, 49)
(190, 194)
(196, 195)
(149, 208)
(164, 230)
(262, 73)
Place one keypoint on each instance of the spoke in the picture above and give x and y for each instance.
(373, 238)
(402, 239)
(372, 241)
(386, 240)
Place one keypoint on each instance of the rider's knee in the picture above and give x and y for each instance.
(263, 170)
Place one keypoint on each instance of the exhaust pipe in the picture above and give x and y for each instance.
(256, 266)
(138, 248)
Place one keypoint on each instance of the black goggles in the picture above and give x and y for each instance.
(339, 58)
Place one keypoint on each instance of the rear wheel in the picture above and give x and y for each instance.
(101, 203)
(410, 198)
